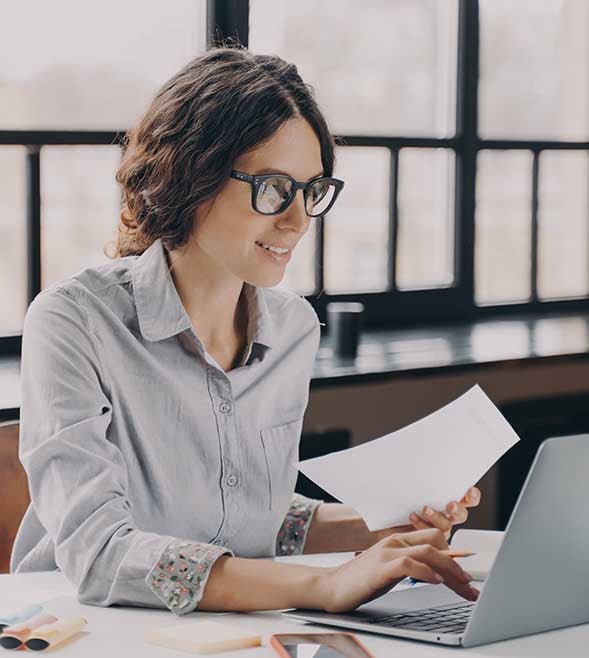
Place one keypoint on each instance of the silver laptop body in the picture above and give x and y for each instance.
(539, 580)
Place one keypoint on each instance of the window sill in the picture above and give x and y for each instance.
(388, 354)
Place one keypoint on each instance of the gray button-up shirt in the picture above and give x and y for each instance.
(134, 439)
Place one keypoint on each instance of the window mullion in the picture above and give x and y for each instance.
(466, 151)
(227, 19)
(534, 228)
(319, 257)
(393, 219)
(33, 205)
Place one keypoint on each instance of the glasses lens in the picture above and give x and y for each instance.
(319, 197)
(273, 193)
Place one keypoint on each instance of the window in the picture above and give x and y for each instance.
(62, 114)
(68, 65)
(379, 69)
(13, 229)
(464, 128)
(463, 137)
(531, 218)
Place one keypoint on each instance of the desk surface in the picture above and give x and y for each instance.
(118, 632)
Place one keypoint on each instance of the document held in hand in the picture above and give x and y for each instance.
(430, 462)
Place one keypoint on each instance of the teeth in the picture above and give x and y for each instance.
(276, 250)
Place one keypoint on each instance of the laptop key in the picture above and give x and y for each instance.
(391, 619)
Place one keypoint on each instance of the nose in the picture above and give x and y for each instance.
(295, 217)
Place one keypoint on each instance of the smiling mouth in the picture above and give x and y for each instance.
(279, 251)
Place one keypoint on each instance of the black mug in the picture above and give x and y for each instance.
(344, 323)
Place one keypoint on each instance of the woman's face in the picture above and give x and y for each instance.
(231, 232)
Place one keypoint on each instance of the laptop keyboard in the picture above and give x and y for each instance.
(451, 618)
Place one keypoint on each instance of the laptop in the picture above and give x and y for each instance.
(538, 582)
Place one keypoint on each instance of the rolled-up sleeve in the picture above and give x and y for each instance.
(78, 478)
(293, 532)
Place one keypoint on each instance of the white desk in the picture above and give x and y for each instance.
(118, 632)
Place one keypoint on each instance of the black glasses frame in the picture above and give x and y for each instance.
(256, 181)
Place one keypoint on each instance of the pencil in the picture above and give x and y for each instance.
(449, 553)
(457, 553)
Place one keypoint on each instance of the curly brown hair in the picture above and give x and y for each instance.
(219, 106)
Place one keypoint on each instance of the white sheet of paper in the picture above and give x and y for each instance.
(430, 462)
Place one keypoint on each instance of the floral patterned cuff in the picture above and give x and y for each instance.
(293, 531)
(179, 576)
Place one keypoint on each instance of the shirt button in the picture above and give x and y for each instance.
(224, 407)
(232, 480)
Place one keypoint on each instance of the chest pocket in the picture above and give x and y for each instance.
(281, 451)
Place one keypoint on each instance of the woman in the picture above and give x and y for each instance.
(163, 394)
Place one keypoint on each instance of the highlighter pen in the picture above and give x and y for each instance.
(51, 635)
(14, 636)
(20, 616)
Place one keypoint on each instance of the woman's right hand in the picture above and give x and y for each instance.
(378, 569)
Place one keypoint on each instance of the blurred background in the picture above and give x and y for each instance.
(463, 228)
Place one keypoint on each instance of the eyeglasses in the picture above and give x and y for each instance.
(273, 193)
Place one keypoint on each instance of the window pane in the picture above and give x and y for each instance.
(300, 272)
(378, 67)
(77, 65)
(563, 244)
(80, 204)
(425, 239)
(13, 267)
(356, 230)
(503, 226)
(534, 80)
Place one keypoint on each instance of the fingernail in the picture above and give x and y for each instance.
(467, 575)
(428, 511)
(413, 517)
(454, 508)
(474, 592)
(438, 578)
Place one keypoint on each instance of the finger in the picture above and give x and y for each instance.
(408, 567)
(418, 522)
(457, 511)
(454, 576)
(437, 519)
(438, 561)
(401, 528)
(472, 497)
(381, 535)
(431, 536)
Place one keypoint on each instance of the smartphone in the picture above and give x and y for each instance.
(318, 645)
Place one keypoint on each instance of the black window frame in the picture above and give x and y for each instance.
(455, 304)
(393, 308)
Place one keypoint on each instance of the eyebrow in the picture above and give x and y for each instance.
(269, 170)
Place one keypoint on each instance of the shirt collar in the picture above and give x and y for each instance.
(260, 326)
(161, 313)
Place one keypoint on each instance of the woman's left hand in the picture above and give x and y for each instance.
(456, 512)
(337, 527)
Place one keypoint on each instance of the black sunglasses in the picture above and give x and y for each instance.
(273, 193)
